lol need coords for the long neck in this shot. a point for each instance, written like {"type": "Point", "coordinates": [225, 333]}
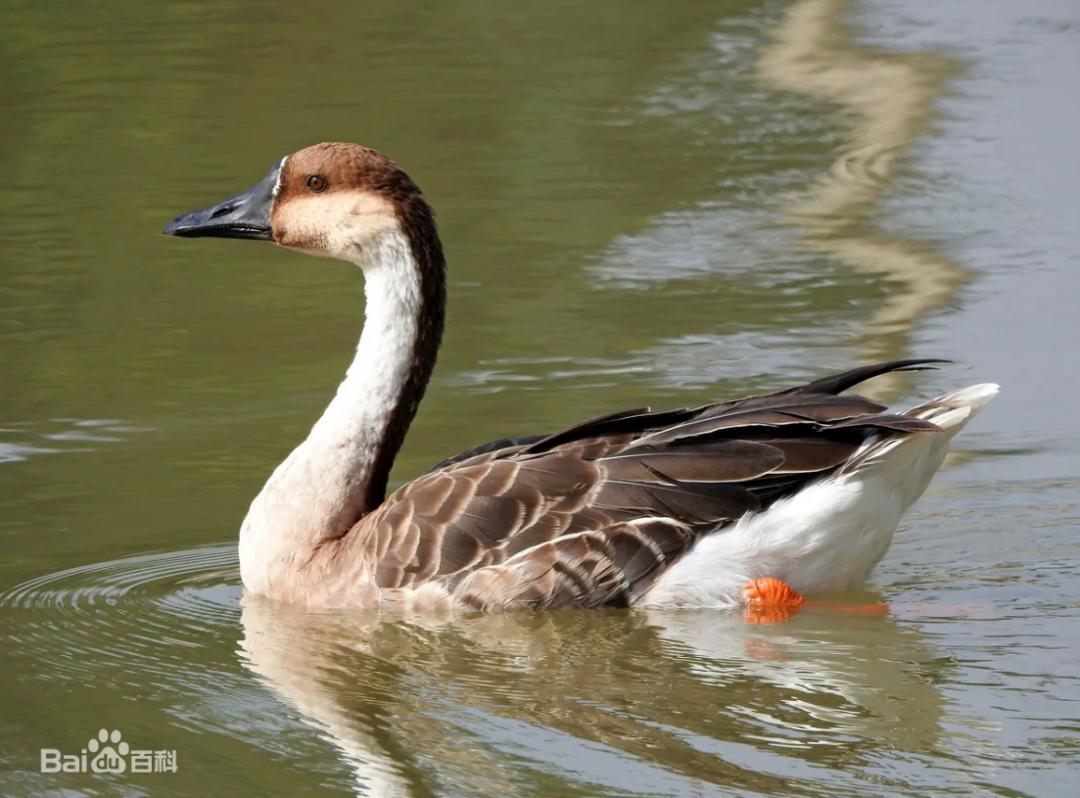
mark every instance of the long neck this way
{"type": "Point", "coordinates": [405, 297]}
{"type": "Point", "coordinates": [340, 473]}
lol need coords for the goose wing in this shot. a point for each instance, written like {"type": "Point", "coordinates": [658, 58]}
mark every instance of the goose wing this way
{"type": "Point", "coordinates": [593, 514]}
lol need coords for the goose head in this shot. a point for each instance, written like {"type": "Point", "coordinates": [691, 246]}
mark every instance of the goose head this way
{"type": "Point", "coordinates": [349, 202]}
{"type": "Point", "coordinates": [332, 199]}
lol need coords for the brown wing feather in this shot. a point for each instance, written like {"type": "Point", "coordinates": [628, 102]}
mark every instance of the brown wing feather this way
{"type": "Point", "coordinates": [592, 515]}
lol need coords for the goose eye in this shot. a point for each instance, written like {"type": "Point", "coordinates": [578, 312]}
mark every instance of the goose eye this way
{"type": "Point", "coordinates": [316, 183]}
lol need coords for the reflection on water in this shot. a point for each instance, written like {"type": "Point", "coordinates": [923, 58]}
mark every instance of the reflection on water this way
{"type": "Point", "coordinates": [667, 703]}
{"type": "Point", "coordinates": [671, 703]}
{"type": "Point", "coordinates": [657, 703]}
{"type": "Point", "coordinates": [565, 703]}
{"type": "Point", "coordinates": [888, 100]}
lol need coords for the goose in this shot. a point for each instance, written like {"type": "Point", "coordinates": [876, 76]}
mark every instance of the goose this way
{"type": "Point", "coordinates": [800, 490]}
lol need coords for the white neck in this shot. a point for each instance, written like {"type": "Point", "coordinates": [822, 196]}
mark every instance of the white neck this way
{"type": "Point", "coordinates": [317, 491]}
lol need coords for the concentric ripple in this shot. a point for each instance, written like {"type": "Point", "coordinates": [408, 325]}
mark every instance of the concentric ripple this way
{"type": "Point", "coordinates": [148, 611]}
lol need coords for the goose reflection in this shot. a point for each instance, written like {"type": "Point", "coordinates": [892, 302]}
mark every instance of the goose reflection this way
{"type": "Point", "coordinates": [673, 703]}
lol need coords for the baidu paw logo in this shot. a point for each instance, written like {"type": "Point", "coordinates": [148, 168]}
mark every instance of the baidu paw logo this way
{"type": "Point", "coordinates": [106, 753]}
{"type": "Point", "coordinates": [110, 759]}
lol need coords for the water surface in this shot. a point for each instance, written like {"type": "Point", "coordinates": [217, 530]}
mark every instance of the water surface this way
{"type": "Point", "coordinates": [654, 203]}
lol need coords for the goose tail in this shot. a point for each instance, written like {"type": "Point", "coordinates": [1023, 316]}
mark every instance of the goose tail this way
{"type": "Point", "coordinates": [954, 410]}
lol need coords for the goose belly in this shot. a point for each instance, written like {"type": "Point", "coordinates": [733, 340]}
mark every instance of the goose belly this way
{"type": "Point", "coordinates": [825, 539]}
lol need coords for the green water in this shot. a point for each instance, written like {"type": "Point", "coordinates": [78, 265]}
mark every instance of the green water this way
{"type": "Point", "coordinates": [642, 203]}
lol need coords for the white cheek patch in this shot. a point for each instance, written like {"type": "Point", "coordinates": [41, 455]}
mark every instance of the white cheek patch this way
{"type": "Point", "coordinates": [342, 225]}
{"type": "Point", "coordinates": [281, 171]}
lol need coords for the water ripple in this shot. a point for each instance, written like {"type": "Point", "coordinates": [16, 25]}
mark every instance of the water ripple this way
{"type": "Point", "coordinates": [133, 609]}
{"type": "Point", "coordinates": [61, 435]}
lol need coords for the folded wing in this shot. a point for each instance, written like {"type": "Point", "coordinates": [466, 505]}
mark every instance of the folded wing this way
{"type": "Point", "coordinates": [592, 515]}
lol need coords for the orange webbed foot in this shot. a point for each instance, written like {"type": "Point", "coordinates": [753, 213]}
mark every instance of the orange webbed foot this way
{"type": "Point", "coordinates": [771, 601]}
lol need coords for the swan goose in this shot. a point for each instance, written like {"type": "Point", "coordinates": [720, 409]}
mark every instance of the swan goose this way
{"type": "Point", "coordinates": [685, 507]}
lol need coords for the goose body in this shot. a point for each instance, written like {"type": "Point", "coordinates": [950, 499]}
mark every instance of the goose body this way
{"type": "Point", "coordinates": [637, 508]}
